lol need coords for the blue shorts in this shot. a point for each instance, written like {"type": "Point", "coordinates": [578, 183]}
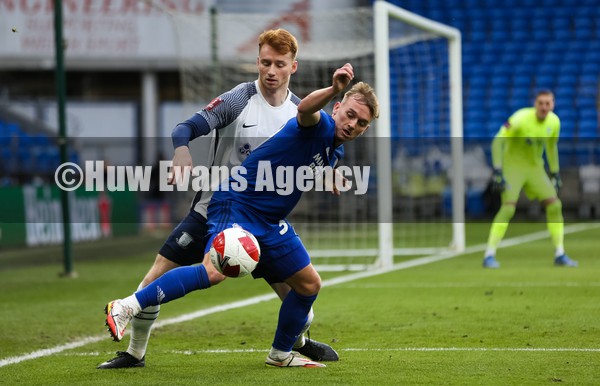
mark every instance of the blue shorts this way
{"type": "Point", "coordinates": [282, 253]}
{"type": "Point", "coordinates": [186, 244]}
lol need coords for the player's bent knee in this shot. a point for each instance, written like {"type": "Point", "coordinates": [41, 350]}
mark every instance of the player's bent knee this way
{"type": "Point", "coordinates": [214, 276]}
{"type": "Point", "coordinates": [309, 287]}
{"type": "Point", "coordinates": [552, 200]}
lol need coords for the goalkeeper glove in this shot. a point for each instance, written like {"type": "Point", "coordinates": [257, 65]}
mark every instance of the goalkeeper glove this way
{"type": "Point", "coordinates": [556, 181]}
{"type": "Point", "coordinates": [498, 182]}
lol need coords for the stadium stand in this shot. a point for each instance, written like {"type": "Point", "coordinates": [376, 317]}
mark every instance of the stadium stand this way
{"type": "Point", "coordinates": [28, 150]}
{"type": "Point", "coordinates": [512, 49]}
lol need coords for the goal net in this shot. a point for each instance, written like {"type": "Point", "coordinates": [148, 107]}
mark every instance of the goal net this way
{"type": "Point", "coordinates": [413, 168]}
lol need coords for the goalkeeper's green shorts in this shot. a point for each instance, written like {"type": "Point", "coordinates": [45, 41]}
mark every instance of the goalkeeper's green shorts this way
{"type": "Point", "coordinates": [532, 179]}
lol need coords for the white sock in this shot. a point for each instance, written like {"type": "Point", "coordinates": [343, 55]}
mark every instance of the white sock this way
{"type": "Point", "coordinates": [490, 252]}
{"type": "Point", "coordinates": [132, 302]}
{"type": "Point", "coordinates": [301, 340]}
{"type": "Point", "coordinates": [278, 355]}
{"type": "Point", "coordinates": [141, 325]}
{"type": "Point", "coordinates": [559, 251]}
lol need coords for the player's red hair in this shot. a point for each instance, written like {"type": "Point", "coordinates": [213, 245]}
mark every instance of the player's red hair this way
{"type": "Point", "coordinates": [281, 40]}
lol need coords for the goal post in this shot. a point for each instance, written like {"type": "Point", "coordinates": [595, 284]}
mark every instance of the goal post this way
{"type": "Point", "coordinates": [383, 11]}
{"type": "Point", "coordinates": [414, 202]}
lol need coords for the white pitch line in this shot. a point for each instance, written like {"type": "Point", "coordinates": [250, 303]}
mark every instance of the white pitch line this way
{"type": "Point", "coordinates": [330, 282]}
{"type": "Point", "coordinates": [510, 349]}
{"type": "Point", "coordinates": [380, 349]}
{"type": "Point", "coordinates": [473, 285]}
{"type": "Point", "coordinates": [516, 349]}
{"type": "Point", "coordinates": [427, 349]}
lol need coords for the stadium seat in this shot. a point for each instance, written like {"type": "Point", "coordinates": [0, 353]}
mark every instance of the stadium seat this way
{"type": "Point", "coordinates": [593, 56]}
{"type": "Point", "coordinates": [588, 129]}
{"type": "Point", "coordinates": [562, 34]}
{"type": "Point", "coordinates": [568, 78]}
{"type": "Point", "coordinates": [545, 81]}
{"type": "Point", "coordinates": [518, 24]}
{"type": "Point", "coordinates": [560, 22]}
{"type": "Point", "coordinates": [565, 96]}
{"type": "Point", "coordinates": [587, 104]}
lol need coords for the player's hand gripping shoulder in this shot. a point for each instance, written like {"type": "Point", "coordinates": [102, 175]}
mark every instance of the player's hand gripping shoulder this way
{"type": "Point", "coordinates": [182, 163]}
{"type": "Point", "coordinates": [498, 182]}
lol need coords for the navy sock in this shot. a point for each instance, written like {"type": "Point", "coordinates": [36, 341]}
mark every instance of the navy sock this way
{"type": "Point", "coordinates": [173, 285]}
{"type": "Point", "coordinates": [293, 315]}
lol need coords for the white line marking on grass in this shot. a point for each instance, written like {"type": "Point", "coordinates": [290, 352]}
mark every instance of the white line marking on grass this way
{"type": "Point", "coordinates": [472, 285]}
{"type": "Point", "coordinates": [534, 349]}
{"type": "Point", "coordinates": [166, 322]}
{"type": "Point", "coordinates": [378, 349]}
{"type": "Point", "coordinates": [338, 280]}
{"type": "Point", "coordinates": [51, 351]}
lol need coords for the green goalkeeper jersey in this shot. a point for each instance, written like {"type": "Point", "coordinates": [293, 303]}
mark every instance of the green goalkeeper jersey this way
{"type": "Point", "coordinates": [522, 140]}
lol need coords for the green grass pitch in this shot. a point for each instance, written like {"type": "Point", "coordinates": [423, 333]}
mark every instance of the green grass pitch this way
{"type": "Point", "coordinates": [449, 322]}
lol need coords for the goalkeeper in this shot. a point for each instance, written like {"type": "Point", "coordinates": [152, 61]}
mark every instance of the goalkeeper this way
{"type": "Point", "coordinates": [517, 157]}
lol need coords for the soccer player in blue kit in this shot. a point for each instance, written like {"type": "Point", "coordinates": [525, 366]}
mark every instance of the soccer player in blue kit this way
{"type": "Point", "coordinates": [243, 118]}
{"type": "Point", "coordinates": [310, 139]}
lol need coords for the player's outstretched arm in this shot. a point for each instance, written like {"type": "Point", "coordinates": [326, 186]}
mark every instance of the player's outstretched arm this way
{"type": "Point", "coordinates": [309, 107]}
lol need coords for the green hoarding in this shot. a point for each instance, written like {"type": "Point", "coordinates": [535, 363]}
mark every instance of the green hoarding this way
{"type": "Point", "coordinates": [31, 215]}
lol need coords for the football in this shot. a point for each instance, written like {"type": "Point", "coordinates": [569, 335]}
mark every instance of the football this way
{"type": "Point", "coordinates": [235, 252]}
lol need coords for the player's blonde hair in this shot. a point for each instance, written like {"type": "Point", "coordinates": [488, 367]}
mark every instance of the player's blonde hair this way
{"type": "Point", "coordinates": [281, 40]}
{"type": "Point", "coordinates": [365, 95]}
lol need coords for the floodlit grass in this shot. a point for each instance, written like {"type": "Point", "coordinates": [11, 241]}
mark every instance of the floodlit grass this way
{"type": "Point", "coordinates": [449, 322]}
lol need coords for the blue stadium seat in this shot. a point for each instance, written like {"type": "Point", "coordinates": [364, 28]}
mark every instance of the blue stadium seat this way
{"type": "Point", "coordinates": [553, 56]}
{"type": "Point", "coordinates": [499, 31]}
{"type": "Point", "coordinates": [562, 34]}
{"type": "Point", "coordinates": [565, 96]}
{"type": "Point", "coordinates": [586, 103]}
{"type": "Point", "coordinates": [560, 22]}
{"type": "Point", "coordinates": [521, 81]}
{"type": "Point", "coordinates": [588, 129]}
{"type": "Point", "coordinates": [518, 24]}
{"type": "Point", "coordinates": [593, 56]}
{"type": "Point", "coordinates": [521, 92]}
{"type": "Point", "coordinates": [520, 35]}
{"type": "Point", "coordinates": [567, 79]}
{"type": "Point", "coordinates": [545, 81]}
{"type": "Point", "coordinates": [500, 81]}
{"type": "Point", "coordinates": [579, 46]}
{"type": "Point", "coordinates": [584, 32]}
{"type": "Point", "coordinates": [590, 72]}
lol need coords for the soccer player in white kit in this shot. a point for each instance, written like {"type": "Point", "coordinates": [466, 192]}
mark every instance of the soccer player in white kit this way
{"type": "Point", "coordinates": [306, 142]}
{"type": "Point", "coordinates": [241, 118]}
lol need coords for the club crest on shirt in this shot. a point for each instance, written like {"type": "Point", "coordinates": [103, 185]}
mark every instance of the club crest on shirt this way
{"type": "Point", "coordinates": [245, 149]}
{"type": "Point", "coordinates": [214, 103]}
{"type": "Point", "coordinates": [507, 124]}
